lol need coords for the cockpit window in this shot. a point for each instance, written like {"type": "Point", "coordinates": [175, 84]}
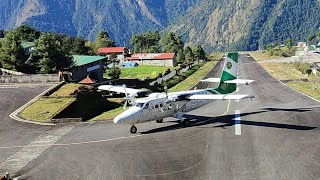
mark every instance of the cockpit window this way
{"type": "Point", "coordinates": [146, 106]}
{"type": "Point", "coordinates": [140, 105]}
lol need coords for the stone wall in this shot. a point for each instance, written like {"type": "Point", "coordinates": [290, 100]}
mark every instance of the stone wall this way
{"type": "Point", "coordinates": [31, 78]}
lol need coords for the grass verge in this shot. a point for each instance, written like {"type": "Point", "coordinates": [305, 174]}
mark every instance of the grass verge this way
{"type": "Point", "coordinates": [194, 78]}
{"type": "Point", "coordinates": [262, 55]}
{"type": "Point", "coordinates": [295, 79]}
{"type": "Point", "coordinates": [44, 109]}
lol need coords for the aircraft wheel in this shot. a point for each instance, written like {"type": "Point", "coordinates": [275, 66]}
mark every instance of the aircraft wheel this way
{"type": "Point", "coordinates": [159, 120]}
{"type": "Point", "coordinates": [186, 122]}
{"type": "Point", "coordinates": [133, 129]}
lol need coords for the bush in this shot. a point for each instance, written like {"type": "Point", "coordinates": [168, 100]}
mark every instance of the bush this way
{"type": "Point", "coordinates": [304, 68]}
{"type": "Point", "coordinates": [114, 73]}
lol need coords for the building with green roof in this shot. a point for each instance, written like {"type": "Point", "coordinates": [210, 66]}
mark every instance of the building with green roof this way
{"type": "Point", "coordinates": [28, 47]}
{"type": "Point", "coordinates": [87, 66]}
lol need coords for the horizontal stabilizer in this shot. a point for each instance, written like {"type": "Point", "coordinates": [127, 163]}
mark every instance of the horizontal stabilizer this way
{"type": "Point", "coordinates": [220, 96]}
{"type": "Point", "coordinates": [211, 80]}
{"type": "Point", "coordinates": [240, 81]}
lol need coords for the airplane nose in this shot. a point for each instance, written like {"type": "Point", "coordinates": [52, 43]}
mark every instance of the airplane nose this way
{"type": "Point", "coordinates": [116, 120]}
{"type": "Point", "coordinates": [120, 119]}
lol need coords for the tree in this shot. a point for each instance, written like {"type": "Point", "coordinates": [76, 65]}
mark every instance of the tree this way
{"type": "Point", "coordinates": [115, 72]}
{"type": "Point", "coordinates": [103, 40]}
{"type": "Point", "coordinates": [48, 56]}
{"type": "Point", "coordinates": [180, 56]}
{"type": "Point", "coordinates": [26, 33]}
{"type": "Point", "coordinates": [79, 47]}
{"type": "Point", "coordinates": [188, 54]}
{"type": "Point", "coordinates": [318, 36]}
{"type": "Point", "coordinates": [199, 53]}
{"type": "Point", "coordinates": [2, 33]}
{"type": "Point", "coordinates": [311, 38]}
{"type": "Point", "coordinates": [171, 43]}
{"type": "Point", "coordinates": [146, 42]}
{"type": "Point", "coordinates": [11, 53]}
{"type": "Point", "coordinates": [289, 43]}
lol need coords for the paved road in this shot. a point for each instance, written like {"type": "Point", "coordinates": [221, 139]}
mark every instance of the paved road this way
{"type": "Point", "coordinates": [278, 137]}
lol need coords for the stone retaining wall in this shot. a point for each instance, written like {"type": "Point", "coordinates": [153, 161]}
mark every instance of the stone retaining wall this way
{"type": "Point", "coordinates": [32, 78]}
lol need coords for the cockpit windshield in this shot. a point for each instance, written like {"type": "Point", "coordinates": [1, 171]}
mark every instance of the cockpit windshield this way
{"type": "Point", "coordinates": [140, 105]}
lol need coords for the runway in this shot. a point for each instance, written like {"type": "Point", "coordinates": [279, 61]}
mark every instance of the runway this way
{"type": "Point", "coordinates": [274, 136]}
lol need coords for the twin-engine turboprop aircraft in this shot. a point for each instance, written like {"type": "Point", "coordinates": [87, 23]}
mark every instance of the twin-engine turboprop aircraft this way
{"type": "Point", "coordinates": [157, 106]}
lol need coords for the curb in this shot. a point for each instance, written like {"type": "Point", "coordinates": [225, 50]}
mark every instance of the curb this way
{"type": "Point", "coordinates": [14, 115]}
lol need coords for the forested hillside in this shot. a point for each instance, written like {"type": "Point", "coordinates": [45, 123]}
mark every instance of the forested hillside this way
{"type": "Point", "coordinates": [217, 25]}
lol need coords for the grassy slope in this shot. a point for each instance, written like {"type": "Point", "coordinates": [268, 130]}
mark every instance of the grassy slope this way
{"type": "Point", "coordinates": [194, 78]}
{"type": "Point", "coordinates": [262, 55]}
{"type": "Point", "coordinates": [47, 107]}
{"type": "Point", "coordinates": [286, 71]}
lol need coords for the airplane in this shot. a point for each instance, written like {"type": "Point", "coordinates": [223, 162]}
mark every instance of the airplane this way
{"type": "Point", "coordinates": [157, 106]}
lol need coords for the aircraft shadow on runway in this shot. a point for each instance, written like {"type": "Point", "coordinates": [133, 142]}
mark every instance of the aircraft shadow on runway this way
{"type": "Point", "coordinates": [228, 120]}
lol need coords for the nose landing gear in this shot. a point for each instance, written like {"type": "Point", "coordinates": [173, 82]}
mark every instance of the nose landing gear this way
{"type": "Point", "coordinates": [133, 129]}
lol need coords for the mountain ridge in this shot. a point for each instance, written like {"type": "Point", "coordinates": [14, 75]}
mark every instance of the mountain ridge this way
{"type": "Point", "coordinates": [216, 25]}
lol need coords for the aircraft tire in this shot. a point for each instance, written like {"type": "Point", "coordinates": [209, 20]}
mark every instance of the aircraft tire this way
{"type": "Point", "coordinates": [186, 123]}
{"type": "Point", "coordinates": [159, 120]}
{"type": "Point", "coordinates": [133, 129]}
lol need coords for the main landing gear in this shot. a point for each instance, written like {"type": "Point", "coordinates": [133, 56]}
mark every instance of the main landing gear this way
{"type": "Point", "coordinates": [133, 129]}
{"type": "Point", "coordinates": [186, 122]}
{"type": "Point", "coordinates": [159, 120]}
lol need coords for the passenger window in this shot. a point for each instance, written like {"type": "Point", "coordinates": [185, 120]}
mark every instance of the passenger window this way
{"type": "Point", "coordinates": [161, 105]}
{"type": "Point", "coordinates": [156, 106]}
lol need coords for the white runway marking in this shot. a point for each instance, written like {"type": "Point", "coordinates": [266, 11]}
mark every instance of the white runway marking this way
{"type": "Point", "coordinates": [237, 130]}
{"type": "Point", "coordinates": [30, 152]}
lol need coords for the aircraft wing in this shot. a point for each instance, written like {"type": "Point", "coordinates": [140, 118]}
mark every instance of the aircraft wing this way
{"type": "Point", "coordinates": [219, 96]}
{"type": "Point", "coordinates": [121, 89]}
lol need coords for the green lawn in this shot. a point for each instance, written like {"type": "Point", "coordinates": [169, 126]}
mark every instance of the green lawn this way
{"type": "Point", "coordinates": [44, 109]}
{"type": "Point", "coordinates": [194, 78]}
{"type": "Point", "coordinates": [142, 72]}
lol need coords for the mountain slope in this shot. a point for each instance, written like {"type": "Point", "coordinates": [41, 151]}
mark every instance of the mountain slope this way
{"type": "Point", "coordinates": [217, 25]}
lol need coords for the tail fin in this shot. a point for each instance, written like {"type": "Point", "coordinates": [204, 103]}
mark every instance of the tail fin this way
{"type": "Point", "coordinates": [229, 73]}
{"type": "Point", "coordinates": [229, 78]}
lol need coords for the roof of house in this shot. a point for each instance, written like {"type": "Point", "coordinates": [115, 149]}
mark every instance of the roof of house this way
{"type": "Point", "coordinates": [111, 49]}
{"type": "Point", "coordinates": [88, 80]}
{"type": "Point", "coordinates": [152, 56]}
{"type": "Point", "coordinates": [80, 60]}
{"type": "Point", "coordinates": [26, 45]}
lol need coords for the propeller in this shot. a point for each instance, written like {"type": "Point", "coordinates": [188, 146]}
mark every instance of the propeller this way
{"type": "Point", "coordinates": [126, 98]}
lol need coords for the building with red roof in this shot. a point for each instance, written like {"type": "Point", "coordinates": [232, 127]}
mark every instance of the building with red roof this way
{"type": "Point", "coordinates": [157, 59]}
{"type": "Point", "coordinates": [113, 50]}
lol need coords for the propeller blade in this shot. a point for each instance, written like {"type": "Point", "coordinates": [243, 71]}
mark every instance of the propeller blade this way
{"type": "Point", "coordinates": [125, 105]}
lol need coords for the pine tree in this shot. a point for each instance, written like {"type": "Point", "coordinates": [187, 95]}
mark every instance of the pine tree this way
{"type": "Point", "coordinates": [103, 40]}
{"type": "Point", "coordinates": [11, 52]}
{"type": "Point", "coordinates": [49, 56]}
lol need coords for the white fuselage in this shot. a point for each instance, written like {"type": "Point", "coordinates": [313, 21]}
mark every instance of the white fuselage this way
{"type": "Point", "coordinates": [158, 106]}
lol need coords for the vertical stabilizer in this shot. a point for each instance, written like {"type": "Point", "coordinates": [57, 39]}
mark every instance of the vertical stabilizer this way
{"type": "Point", "coordinates": [229, 72]}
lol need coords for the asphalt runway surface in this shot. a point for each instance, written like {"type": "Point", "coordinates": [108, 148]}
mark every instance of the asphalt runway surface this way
{"type": "Point", "coordinates": [274, 136]}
